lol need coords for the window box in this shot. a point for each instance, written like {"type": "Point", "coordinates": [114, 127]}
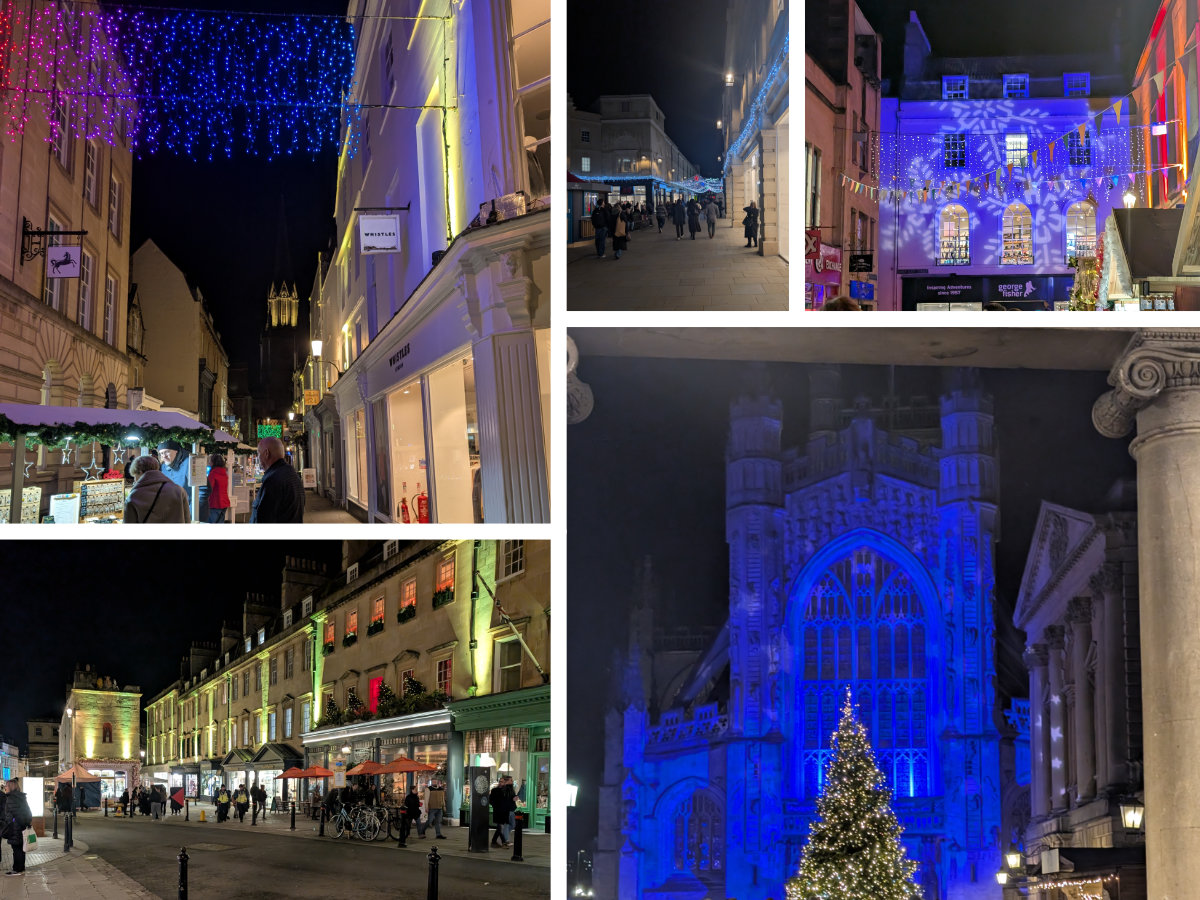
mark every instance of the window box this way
{"type": "Point", "coordinates": [375, 627]}
{"type": "Point", "coordinates": [442, 597]}
{"type": "Point", "coordinates": [327, 648]}
{"type": "Point", "coordinates": [350, 638]}
{"type": "Point", "coordinates": [406, 613]}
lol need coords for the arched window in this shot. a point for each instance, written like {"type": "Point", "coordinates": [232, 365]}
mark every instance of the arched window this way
{"type": "Point", "coordinates": [1081, 229]}
{"type": "Point", "coordinates": [864, 628]}
{"type": "Point", "coordinates": [1016, 236]}
{"type": "Point", "coordinates": [699, 834]}
{"type": "Point", "coordinates": [954, 238]}
{"type": "Point", "coordinates": [106, 735]}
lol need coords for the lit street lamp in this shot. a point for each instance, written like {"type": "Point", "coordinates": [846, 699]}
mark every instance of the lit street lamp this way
{"type": "Point", "coordinates": [1130, 199]}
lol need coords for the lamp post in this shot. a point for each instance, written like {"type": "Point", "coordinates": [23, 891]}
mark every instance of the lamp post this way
{"type": "Point", "coordinates": [1130, 199]}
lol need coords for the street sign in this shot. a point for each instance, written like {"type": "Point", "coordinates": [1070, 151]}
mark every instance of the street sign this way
{"type": "Point", "coordinates": [812, 244]}
{"type": "Point", "coordinates": [861, 262]}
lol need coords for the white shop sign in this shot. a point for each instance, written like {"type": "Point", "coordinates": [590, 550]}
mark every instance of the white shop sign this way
{"type": "Point", "coordinates": [64, 508]}
{"type": "Point", "coordinates": [379, 234]}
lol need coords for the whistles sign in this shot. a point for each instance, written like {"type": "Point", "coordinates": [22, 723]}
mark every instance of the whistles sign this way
{"type": "Point", "coordinates": [379, 234]}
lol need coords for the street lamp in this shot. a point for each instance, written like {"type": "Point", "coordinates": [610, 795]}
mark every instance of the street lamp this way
{"type": "Point", "coordinates": [1012, 858]}
{"type": "Point", "coordinates": [728, 79]}
{"type": "Point", "coordinates": [572, 793]}
{"type": "Point", "coordinates": [346, 749]}
{"type": "Point", "coordinates": [1132, 812]}
{"type": "Point", "coordinates": [1130, 199]}
{"type": "Point", "coordinates": [718, 124]}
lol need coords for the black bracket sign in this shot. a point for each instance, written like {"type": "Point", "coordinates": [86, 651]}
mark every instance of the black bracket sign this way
{"type": "Point", "coordinates": [34, 241]}
{"type": "Point", "coordinates": [861, 262]}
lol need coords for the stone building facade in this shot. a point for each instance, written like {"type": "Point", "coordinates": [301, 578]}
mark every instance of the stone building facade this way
{"type": "Point", "coordinates": [100, 730]}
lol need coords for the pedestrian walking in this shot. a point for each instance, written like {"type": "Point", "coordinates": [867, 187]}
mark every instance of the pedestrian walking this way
{"type": "Point", "coordinates": [435, 804]}
{"type": "Point", "coordinates": [679, 217]}
{"type": "Point", "coordinates": [123, 802]}
{"type": "Point", "coordinates": [281, 494]}
{"type": "Point", "coordinates": [242, 799]}
{"type": "Point", "coordinates": [154, 498]}
{"type": "Point", "coordinates": [620, 235]}
{"type": "Point", "coordinates": [218, 489]}
{"type": "Point", "coordinates": [660, 214]}
{"type": "Point", "coordinates": [17, 817]}
{"type": "Point", "coordinates": [710, 216]}
{"type": "Point", "coordinates": [412, 812]}
{"type": "Point", "coordinates": [498, 798]}
{"type": "Point", "coordinates": [750, 222]}
{"type": "Point", "coordinates": [223, 801]}
{"type": "Point", "coordinates": [600, 225]}
{"type": "Point", "coordinates": [693, 216]}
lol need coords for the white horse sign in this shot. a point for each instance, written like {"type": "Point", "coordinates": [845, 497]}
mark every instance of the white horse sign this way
{"type": "Point", "coordinates": [62, 262]}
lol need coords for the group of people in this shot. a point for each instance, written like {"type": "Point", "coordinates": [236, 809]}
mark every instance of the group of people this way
{"type": "Point", "coordinates": [161, 487]}
{"type": "Point", "coordinates": [616, 222]}
{"type": "Point", "coordinates": [503, 800]}
{"type": "Point", "coordinates": [240, 801]}
{"type": "Point", "coordinates": [152, 802]}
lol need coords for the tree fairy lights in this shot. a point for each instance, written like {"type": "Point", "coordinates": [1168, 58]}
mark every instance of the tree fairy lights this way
{"type": "Point", "coordinates": [854, 850]}
{"type": "Point", "coordinates": [199, 84]}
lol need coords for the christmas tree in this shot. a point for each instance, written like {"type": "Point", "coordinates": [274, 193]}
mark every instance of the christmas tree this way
{"type": "Point", "coordinates": [854, 850]}
{"type": "Point", "coordinates": [389, 703]}
{"type": "Point", "coordinates": [355, 708]}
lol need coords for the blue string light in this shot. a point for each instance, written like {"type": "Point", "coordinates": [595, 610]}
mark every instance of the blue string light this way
{"type": "Point", "coordinates": [694, 186]}
{"type": "Point", "coordinates": [754, 117]}
{"type": "Point", "coordinates": [198, 84]}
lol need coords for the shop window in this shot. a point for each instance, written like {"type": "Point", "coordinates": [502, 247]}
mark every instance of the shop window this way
{"type": "Point", "coordinates": [106, 733]}
{"type": "Point", "coordinates": [274, 675]}
{"type": "Point", "coordinates": [445, 676]}
{"type": "Point", "coordinates": [512, 558]}
{"type": "Point", "coordinates": [1081, 229]}
{"type": "Point", "coordinates": [954, 87]}
{"type": "Point", "coordinates": [1016, 86]}
{"type": "Point", "coordinates": [954, 150]}
{"type": "Point", "coordinates": [289, 662]}
{"type": "Point", "coordinates": [409, 465]}
{"type": "Point", "coordinates": [373, 687]}
{"type": "Point", "coordinates": [954, 237]}
{"type": "Point", "coordinates": [508, 656]}
{"type": "Point", "coordinates": [453, 427]}
{"type": "Point", "coordinates": [287, 722]}
{"type": "Point", "coordinates": [405, 677]}
{"type": "Point", "coordinates": [1016, 236]}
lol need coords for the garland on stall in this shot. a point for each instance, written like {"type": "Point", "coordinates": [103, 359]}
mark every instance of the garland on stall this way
{"type": "Point", "coordinates": [57, 437]}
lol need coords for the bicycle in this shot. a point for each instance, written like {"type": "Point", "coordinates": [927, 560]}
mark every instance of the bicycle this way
{"type": "Point", "coordinates": [367, 823]}
{"type": "Point", "coordinates": [340, 822]}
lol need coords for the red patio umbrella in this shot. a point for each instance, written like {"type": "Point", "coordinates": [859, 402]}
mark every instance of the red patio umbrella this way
{"type": "Point", "coordinates": [315, 772]}
{"type": "Point", "coordinates": [293, 772]}
{"type": "Point", "coordinates": [366, 767]}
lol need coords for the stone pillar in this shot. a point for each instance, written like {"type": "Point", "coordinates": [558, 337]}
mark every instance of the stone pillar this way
{"type": "Point", "coordinates": [1156, 383]}
{"type": "Point", "coordinates": [1113, 724]}
{"type": "Point", "coordinates": [770, 193]}
{"type": "Point", "coordinates": [1079, 616]}
{"type": "Point", "coordinates": [1058, 719]}
{"type": "Point", "coordinates": [1036, 658]}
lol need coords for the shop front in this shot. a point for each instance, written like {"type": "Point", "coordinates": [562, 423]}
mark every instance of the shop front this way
{"type": "Point", "coordinates": [210, 778]}
{"type": "Point", "coordinates": [116, 776]}
{"type": "Point", "coordinates": [509, 734]}
{"type": "Point", "coordinates": [447, 416]}
{"type": "Point", "coordinates": [970, 292]}
{"type": "Point", "coordinates": [324, 430]}
{"type": "Point", "coordinates": [186, 776]}
{"type": "Point", "coordinates": [822, 275]}
{"type": "Point", "coordinates": [427, 737]}
{"type": "Point", "coordinates": [236, 769]}
{"type": "Point", "coordinates": [268, 764]}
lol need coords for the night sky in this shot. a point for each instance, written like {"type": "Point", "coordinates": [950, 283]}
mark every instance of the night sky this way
{"type": "Point", "coordinates": [219, 221]}
{"type": "Point", "coordinates": [665, 416]}
{"type": "Point", "coordinates": [1021, 27]}
{"type": "Point", "coordinates": [130, 608]}
{"type": "Point", "coordinates": [671, 49]}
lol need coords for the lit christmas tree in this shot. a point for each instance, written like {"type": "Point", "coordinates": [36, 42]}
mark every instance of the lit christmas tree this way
{"type": "Point", "coordinates": [854, 850]}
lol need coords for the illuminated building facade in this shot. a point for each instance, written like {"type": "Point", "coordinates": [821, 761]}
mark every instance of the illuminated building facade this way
{"type": "Point", "coordinates": [754, 122]}
{"type": "Point", "coordinates": [994, 173]}
{"type": "Point", "coordinates": [101, 730]}
{"type": "Point", "coordinates": [861, 561]}
{"type": "Point", "coordinates": [433, 375]}
{"type": "Point", "coordinates": [283, 689]}
{"type": "Point", "coordinates": [841, 81]}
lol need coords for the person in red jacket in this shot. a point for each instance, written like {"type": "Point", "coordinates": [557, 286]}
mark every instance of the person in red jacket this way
{"type": "Point", "coordinates": [218, 489]}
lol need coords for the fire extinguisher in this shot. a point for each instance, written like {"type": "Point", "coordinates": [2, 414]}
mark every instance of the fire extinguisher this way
{"type": "Point", "coordinates": [404, 516]}
{"type": "Point", "coordinates": [422, 504]}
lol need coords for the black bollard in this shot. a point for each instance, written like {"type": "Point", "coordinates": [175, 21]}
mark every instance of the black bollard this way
{"type": "Point", "coordinates": [106, 808]}
{"type": "Point", "coordinates": [321, 817]}
{"type": "Point", "coordinates": [183, 861]}
{"type": "Point", "coordinates": [517, 857]}
{"type": "Point", "coordinates": [56, 822]}
{"type": "Point", "coordinates": [401, 841]}
{"type": "Point", "coordinates": [434, 860]}
{"type": "Point", "coordinates": [68, 833]}
{"type": "Point", "coordinates": [293, 815]}
{"type": "Point", "coordinates": [254, 813]}
{"type": "Point", "coordinates": [187, 810]}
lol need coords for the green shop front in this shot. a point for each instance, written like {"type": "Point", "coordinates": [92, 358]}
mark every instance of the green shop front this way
{"type": "Point", "coordinates": [510, 734]}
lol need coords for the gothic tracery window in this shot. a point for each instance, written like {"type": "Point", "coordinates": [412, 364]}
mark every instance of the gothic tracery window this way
{"type": "Point", "coordinates": [699, 834]}
{"type": "Point", "coordinates": [864, 628]}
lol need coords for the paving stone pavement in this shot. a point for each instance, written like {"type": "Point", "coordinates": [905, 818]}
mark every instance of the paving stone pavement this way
{"type": "Point", "coordinates": [78, 875]}
{"type": "Point", "coordinates": [658, 272]}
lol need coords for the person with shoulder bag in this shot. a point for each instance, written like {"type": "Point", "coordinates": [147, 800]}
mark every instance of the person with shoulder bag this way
{"type": "Point", "coordinates": [17, 817]}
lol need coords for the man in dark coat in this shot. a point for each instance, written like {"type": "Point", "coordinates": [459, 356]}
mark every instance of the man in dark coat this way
{"type": "Point", "coordinates": [679, 217]}
{"type": "Point", "coordinates": [281, 495]}
{"type": "Point", "coordinates": [600, 226]}
{"type": "Point", "coordinates": [500, 809]}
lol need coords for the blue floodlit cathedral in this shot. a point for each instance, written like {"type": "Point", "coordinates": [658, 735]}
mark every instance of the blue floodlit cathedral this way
{"type": "Point", "coordinates": [863, 559]}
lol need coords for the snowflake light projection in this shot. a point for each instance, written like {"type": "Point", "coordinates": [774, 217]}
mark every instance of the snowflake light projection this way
{"type": "Point", "coordinates": [193, 83]}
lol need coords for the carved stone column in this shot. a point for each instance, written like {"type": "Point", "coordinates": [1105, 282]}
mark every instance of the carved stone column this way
{"type": "Point", "coordinates": [1156, 383]}
{"type": "Point", "coordinates": [1079, 616]}
{"type": "Point", "coordinates": [1036, 657]}
{"type": "Point", "coordinates": [1112, 723]}
{"type": "Point", "coordinates": [1058, 720]}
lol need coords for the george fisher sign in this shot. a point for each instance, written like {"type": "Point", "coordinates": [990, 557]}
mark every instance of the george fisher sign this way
{"type": "Point", "coordinates": [1015, 291]}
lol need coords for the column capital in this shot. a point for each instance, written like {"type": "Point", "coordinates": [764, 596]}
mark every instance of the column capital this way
{"type": "Point", "coordinates": [1079, 611]}
{"type": "Point", "coordinates": [1152, 362]}
{"type": "Point", "coordinates": [1055, 637]}
{"type": "Point", "coordinates": [1106, 579]}
{"type": "Point", "coordinates": [1036, 656]}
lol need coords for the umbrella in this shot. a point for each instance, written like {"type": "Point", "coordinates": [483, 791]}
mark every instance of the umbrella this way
{"type": "Point", "coordinates": [404, 764]}
{"type": "Point", "coordinates": [79, 773]}
{"type": "Point", "coordinates": [293, 772]}
{"type": "Point", "coordinates": [366, 767]}
{"type": "Point", "coordinates": [316, 772]}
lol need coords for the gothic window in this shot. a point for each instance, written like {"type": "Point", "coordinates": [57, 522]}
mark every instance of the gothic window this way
{"type": "Point", "coordinates": [106, 733]}
{"type": "Point", "coordinates": [699, 834]}
{"type": "Point", "coordinates": [864, 629]}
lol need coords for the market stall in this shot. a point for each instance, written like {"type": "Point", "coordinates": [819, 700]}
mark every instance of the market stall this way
{"type": "Point", "coordinates": [71, 431]}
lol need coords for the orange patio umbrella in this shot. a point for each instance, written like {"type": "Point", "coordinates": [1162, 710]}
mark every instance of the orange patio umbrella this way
{"type": "Point", "coordinates": [366, 767]}
{"type": "Point", "coordinates": [316, 772]}
{"type": "Point", "coordinates": [293, 772]}
{"type": "Point", "coordinates": [403, 764]}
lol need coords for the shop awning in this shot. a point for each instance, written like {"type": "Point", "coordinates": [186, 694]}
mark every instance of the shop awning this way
{"type": "Point", "coordinates": [276, 753]}
{"type": "Point", "coordinates": [236, 758]}
{"type": "Point", "coordinates": [51, 425]}
{"type": "Point", "coordinates": [529, 706]}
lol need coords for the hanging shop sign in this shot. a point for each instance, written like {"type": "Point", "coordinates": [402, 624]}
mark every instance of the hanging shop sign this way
{"type": "Point", "coordinates": [812, 244]}
{"type": "Point", "coordinates": [312, 398]}
{"type": "Point", "coordinates": [826, 268]}
{"type": "Point", "coordinates": [862, 290]}
{"type": "Point", "coordinates": [265, 431]}
{"type": "Point", "coordinates": [379, 234]}
{"type": "Point", "coordinates": [62, 262]}
{"type": "Point", "coordinates": [861, 262]}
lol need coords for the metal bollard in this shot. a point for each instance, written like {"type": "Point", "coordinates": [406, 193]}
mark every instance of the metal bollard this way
{"type": "Point", "coordinates": [293, 815]}
{"type": "Point", "coordinates": [56, 822]}
{"type": "Point", "coordinates": [517, 857]}
{"type": "Point", "coordinates": [183, 861]}
{"type": "Point", "coordinates": [434, 860]}
{"type": "Point", "coordinates": [106, 808]}
{"type": "Point", "coordinates": [402, 831]}
{"type": "Point", "coordinates": [68, 833]}
{"type": "Point", "coordinates": [254, 813]}
{"type": "Point", "coordinates": [187, 809]}
{"type": "Point", "coordinates": [321, 817]}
